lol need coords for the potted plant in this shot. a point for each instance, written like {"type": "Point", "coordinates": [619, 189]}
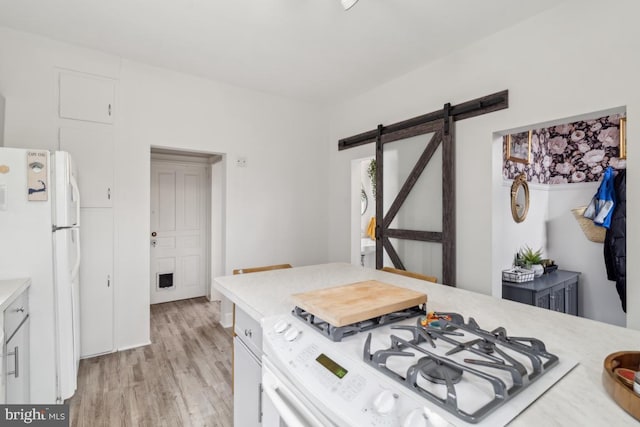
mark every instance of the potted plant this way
{"type": "Point", "coordinates": [531, 259]}
{"type": "Point", "coordinates": [371, 172]}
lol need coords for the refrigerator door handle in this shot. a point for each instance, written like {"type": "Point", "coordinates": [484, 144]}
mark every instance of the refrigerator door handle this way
{"type": "Point", "coordinates": [76, 197]}
{"type": "Point", "coordinates": [76, 267]}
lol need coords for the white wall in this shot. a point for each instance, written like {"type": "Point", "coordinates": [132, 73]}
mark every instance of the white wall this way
{"type": "Point", "coordinates": [550, 225]}
{"type": "Point", "coordinates": [574, 59]}
{"type": "Point", "coordinates": [568, 245]}
{"type": "Point", "coordinates": [271, 214]}
{"type": "Point", "coordinates": [512, 236]}
{"type": "Point", "coordinates": [2, 104]}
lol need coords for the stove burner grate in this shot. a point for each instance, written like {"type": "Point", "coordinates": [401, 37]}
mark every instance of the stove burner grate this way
{"type": "Point", "coordinates": [337, 333]}
{"type": "Point", "coordinates": [492, 350]}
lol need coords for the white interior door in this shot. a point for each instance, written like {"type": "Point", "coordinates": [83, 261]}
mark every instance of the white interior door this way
{"type": "Point", "coordinates": [179, 230]}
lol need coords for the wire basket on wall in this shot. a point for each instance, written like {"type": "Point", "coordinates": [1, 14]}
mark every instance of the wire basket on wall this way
{"type": "Point", "coordinates": [593, 232]}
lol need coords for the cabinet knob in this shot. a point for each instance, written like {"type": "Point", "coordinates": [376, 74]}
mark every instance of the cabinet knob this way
{"type": "Point", "coordinates": [20, 310]}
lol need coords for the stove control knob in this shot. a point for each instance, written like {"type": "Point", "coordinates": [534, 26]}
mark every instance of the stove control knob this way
{"type": "Point", "coordinates": [385, 402]}
{"type": "Point", "coordinates": [291, 334]}
{"type": "Point", "coordinates": [416, 418]}
{"type": "Point", "coordinates": [281, 326]}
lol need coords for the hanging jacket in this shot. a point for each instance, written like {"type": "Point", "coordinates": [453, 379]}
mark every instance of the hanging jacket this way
{"type": "Point", "coordinates": [615, 242]}
{"type": "Point", "coordinates": [601, 207]}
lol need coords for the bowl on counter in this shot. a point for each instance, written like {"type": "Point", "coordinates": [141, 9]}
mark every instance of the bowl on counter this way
{"type": "Point", "coordinates": [617, 385]}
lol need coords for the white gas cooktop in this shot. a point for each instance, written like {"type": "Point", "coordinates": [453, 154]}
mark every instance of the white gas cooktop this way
{"type": "Point", "coordinates": [458, 373]}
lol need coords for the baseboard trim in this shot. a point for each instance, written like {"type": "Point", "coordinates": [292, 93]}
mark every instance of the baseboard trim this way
{"type": "Point", "coordinates": [89, 356]}
{"type": "Point", "coordinates": [129, 347]}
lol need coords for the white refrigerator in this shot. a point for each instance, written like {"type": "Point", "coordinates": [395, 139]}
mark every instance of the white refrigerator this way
{"type": "Point", "coordinates": [40, 239]}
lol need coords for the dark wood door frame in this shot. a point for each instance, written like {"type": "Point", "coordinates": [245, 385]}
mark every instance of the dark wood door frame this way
{"type": "Point", "coordinates": [441, 124]}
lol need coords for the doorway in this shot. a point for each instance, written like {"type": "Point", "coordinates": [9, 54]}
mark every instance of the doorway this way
{"type": "Point", "coordinates": [363, 212]}
{"type": "Point", "coordinates": [181, 224]}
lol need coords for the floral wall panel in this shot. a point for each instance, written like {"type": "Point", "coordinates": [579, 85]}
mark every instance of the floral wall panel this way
{"type": "Point", "coordinates": [569, 153]}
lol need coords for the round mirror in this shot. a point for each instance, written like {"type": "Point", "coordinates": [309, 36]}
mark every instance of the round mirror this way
{"type": "Point", "coordinates": [364, 201]}
{"type": "Point", "coordinates": [519, 198]}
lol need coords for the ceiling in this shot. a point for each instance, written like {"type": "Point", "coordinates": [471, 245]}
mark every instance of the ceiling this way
{"type": "Point", "coordinates": [311, 50]}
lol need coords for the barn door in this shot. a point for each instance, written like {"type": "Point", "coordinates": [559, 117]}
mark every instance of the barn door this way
{"type": "Point", "coordinates": [415, 196]}
{"type": "Point", "coordinates": [415, 199]}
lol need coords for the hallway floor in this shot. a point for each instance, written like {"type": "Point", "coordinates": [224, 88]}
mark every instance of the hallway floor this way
{"type": "Point", "coordinates": [182, 379]}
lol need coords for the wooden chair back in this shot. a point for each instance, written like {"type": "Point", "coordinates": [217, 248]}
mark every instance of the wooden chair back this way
{"type": "Point", "coordinates": [258, 269]}
{"type": "Point", "coordinates": [410, 274]}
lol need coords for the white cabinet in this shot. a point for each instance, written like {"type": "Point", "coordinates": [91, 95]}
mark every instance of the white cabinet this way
{"type": "Point", "coordinates": [91, 148]}
{"type": "Point", "coordinates": [16, 351]}
{"type": "Point", "coordinates": [96, 282]}
{"type": "Point", "coordinates": [86, 97]}
{"type": "Point", "coordinates": [247, 371]}
{"type": "Point", "coordinates": [247, 379]}
{"type": "Point", "coordinates": [86, 130]}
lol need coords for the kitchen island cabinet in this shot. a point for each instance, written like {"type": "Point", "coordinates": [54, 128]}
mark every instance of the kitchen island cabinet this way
{"type": "Point", "coordinates": [577, 399]}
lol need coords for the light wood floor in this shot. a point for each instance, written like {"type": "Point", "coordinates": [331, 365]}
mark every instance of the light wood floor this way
{"type": "Point", "coordinates": [182, 379]}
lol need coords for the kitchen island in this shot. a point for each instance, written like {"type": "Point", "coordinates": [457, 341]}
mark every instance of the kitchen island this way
{"type": "Point", "coordinates": [578, 399]}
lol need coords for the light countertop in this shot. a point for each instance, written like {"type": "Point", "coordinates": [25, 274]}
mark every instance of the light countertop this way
{"type": "Point", "coordinates": [10, 289]}
{"type": "Point", "coordinates": [579, 399]}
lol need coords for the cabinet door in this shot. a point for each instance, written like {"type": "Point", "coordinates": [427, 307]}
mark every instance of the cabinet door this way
{"type": "Point", "coordinates": [17, 366]}
{"type": "Point", "coordinates": [557, 298]}
{"type": "Point", "coordinates": [86, 97]}
{"type": "Point", "coordinates": [543, 299]}
{"type": "Point", "coordinates": [246, 386]}
{"type": "Point", "coordinates": [92, 150]}
{"type": "Point", "coordinates": [571, 298]}
{"type": "Point", "coordinates": [96, 282]}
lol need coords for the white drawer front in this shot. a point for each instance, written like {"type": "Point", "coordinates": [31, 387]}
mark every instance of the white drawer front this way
{"type": "Point", "coordinates": [249, 331]}
{"type": "Point", "coordinates": [15, 313]}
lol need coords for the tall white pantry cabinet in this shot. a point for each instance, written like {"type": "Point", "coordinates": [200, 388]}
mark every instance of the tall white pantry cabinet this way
{"type": "Point", "coordinates": [86, 112]}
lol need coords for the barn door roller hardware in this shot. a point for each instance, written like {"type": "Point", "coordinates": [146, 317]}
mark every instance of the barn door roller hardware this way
{"type": "Point", "coordinates": [476, 107]}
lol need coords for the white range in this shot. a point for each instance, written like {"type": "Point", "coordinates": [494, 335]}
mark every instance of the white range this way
{"type": "Point", "coordinates": [401, 374]}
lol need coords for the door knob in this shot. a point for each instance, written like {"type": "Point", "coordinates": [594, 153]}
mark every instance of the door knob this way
{"type": "Point", "coordinates": [154, 243]}
{"type": "Point", "coordinates": [154, 234]}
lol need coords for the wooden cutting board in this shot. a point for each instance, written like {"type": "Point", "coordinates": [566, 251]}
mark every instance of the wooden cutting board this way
{"type": "Point", "coordinates": [343, 305]}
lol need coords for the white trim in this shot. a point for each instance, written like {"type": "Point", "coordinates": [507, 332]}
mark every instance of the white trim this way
{"type": "Point", "coordinates": [129, 347]}
{"type": "Point", "coordinates": [161, 157]}
{"type": "Point", "coordinates": [572, 119]}
{"type": "Point", "coordinates": [556, 187]}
